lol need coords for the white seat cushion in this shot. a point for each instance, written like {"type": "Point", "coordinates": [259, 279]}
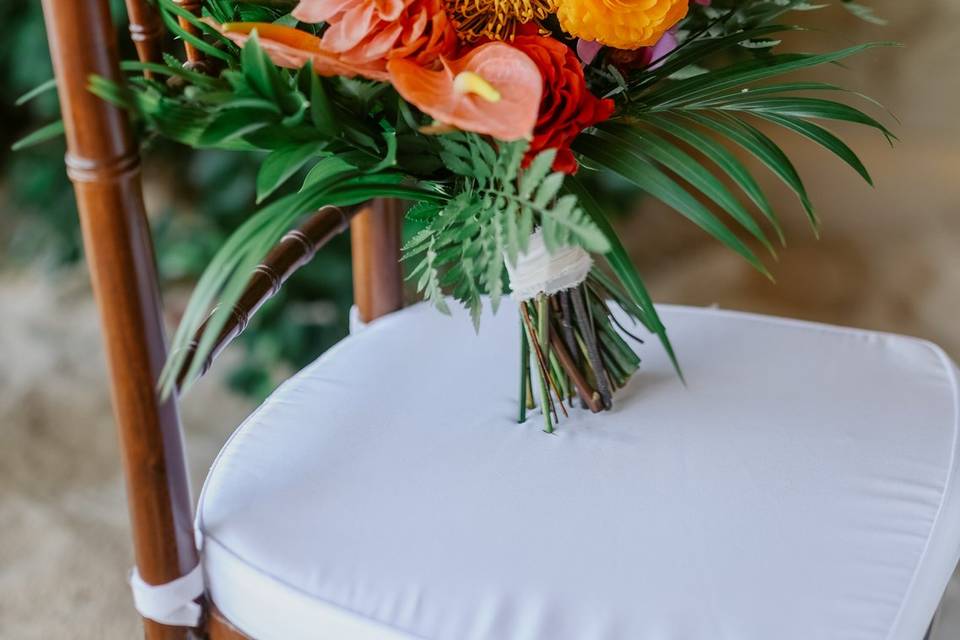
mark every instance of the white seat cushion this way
{"type": "Point", "coordinates": [802, 486]}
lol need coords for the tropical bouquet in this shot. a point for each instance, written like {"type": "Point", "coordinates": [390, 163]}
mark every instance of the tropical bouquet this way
{"type": "Point", "coordinates": [487, 116]}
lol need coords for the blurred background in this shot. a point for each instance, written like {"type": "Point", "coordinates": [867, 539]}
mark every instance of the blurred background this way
{"type": "Point", "coordinates": [888, 259]}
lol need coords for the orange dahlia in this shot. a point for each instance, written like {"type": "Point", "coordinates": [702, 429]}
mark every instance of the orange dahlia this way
{"type": "Point", "coordinates": [370, 32]}
{"type": "Point", "coordinates": [624, 24]}
{"type": "Point", "coordinates": [362, 35]}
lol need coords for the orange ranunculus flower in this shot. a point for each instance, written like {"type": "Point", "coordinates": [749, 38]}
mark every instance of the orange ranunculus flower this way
{"type": "Point", "coordinates": [568, 107]}
{"type": "Point", "coordinates": [361, 37]}
{"type": "Point", "coordinates": [624, 24]}
{"type": "Point", "coordinates": [493, 90]}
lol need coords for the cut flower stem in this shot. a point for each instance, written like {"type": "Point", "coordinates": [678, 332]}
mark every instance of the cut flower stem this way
{"type": "Point", "coordinates": [578, 350]}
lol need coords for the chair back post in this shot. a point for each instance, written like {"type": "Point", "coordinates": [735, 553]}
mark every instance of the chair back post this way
{"type": "Point", "coordinates": [146, 31]}
{"type": "Point", "coordinates": [375, 246]}
{"type": "Point", "coordinates": [194, 56]}
{"type": "Point", "coordinates": [103, 164]}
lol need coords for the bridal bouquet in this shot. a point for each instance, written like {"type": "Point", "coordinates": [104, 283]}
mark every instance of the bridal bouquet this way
{"type": "Point", "coordinates": [487, 115]}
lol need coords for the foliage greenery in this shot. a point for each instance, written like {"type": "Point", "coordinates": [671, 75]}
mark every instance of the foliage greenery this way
{"type": "Point", "coordinates": [215, 190]}
{"type": "Point", "coordinates": [342, 141]}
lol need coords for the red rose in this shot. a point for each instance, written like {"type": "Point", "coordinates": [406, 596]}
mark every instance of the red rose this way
{"type": "Point", "coordinates": [568, 107]}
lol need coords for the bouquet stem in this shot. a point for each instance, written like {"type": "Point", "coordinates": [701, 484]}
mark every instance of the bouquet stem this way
{"type": "Point", "coordinates": [577, 347]}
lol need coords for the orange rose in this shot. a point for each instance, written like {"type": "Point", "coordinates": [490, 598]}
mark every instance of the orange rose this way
{"type": "Point", "coordinates": [568, 107]}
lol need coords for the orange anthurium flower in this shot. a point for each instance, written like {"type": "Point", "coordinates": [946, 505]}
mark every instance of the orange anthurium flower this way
{"type": "Point", "coordinates": [494, 90]}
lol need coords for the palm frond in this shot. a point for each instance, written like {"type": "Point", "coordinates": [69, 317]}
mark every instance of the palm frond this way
{"type": "Point", "coordinates": [684, 128]}
{"type": "Point", "coordinates": [673, 158]}
{"type": "Point", "coordinates": [623, 158]}
{"type": "Point", "coordinates": [722, 158]}
{"type": "Point", "coordinates": [623, 267]}
{"type": "Point", "coordinates": [225, 278]}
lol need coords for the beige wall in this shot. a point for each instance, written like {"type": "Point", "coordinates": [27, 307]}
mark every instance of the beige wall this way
{"type": "Point", "coordinates": [889, 257]}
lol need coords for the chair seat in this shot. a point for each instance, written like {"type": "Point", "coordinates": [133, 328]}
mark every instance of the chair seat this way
{"type": "Point", "coordinates": [801, 486]}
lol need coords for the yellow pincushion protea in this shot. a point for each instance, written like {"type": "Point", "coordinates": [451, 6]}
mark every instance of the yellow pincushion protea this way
{"type": "Point", "coordinates": [624, 24]}
{"type": "Point", "coordinates": [496, 19]}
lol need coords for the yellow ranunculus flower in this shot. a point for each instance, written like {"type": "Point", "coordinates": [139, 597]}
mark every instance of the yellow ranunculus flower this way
{"type": "Point", "coordinates": [624, 24]}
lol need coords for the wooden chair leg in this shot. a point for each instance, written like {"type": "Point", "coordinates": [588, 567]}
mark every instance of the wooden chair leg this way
{"type": "Point", "coordinates": [377, 272]}
{"type": "Point", "coordinates": [102, 161]}
{"type": "Point", "coordinates": [219, 628]}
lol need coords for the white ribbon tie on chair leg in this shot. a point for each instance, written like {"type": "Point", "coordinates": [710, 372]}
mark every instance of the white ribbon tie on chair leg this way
{"type": "Point", "coordinates": [171, 603]}
{"type": "Point", "coordinates": [539, 271]}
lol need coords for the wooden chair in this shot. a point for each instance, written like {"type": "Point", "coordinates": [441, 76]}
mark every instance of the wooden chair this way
{"type": "Point", "coordinates": [102, 161]}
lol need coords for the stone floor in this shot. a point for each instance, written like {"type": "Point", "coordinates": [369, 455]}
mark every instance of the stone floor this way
{"type": "Point", "coordinates": [889, 259]}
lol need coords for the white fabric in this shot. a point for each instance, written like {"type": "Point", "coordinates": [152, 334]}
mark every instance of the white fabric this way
{"type": "Point", "coordinates": [539, 271]}
{"type": "Point", "coordinates": [171, 603]}
{"type": "Point", "coordinates": [802, 486]}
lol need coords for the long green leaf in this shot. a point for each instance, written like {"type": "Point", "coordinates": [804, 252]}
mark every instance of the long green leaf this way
{"type": "Point", "coordinates": [259, 71]}
{"type": "Point", "coordinates": [44, 133]}
{"type": "Point", "coordinates": [38, 90]}
{"type": "Point", "coordinates": [620, 262]}
{"type": "Point", "coordinates": [612, 153]}
{"type": "Point", "coordinates": [191, 76]}
{"type": "Point", "coordinates": [227, 277]}
{"type": "Point", "coordinates": [763, 148]}
{"type": "Point", "coordinates": [321, 108]}
{"type": "Point", "coordinates": [724, 159]}
{"type": "Point", "coordinates": [822, 137]}
{"type": "Point", "coordinates": [686, 167]}
{"type": "Point", "coordinates": [802, 107]}
{"type": "Point", "coordinates": [199, 23]}
{"type": "Point", "coordinates": [282, 164]}
{"type": "Point", "coordinates": [167, 6]}
{"type": "Point", "coordinates": [224, 263]}
{"type": "Point", "coordinates": [744, 73]}
{"type": "Point", "coordinates": [749, 93]}
{"type": "Point", "coordinates": [699, 49]}
{"type": "Point", "coordinates": [231, 124]}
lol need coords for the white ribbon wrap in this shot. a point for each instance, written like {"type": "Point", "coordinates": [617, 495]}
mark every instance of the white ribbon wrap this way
{"type": "Point", "coordinates": [171, 603]}
{"type": "Point", "coordinates": [539, 271]}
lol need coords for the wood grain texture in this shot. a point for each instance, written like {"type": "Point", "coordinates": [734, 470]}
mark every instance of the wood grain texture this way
{"type": "Point", "coordinates": [146, 31]}
{"type": "Point", "coordinates": [103, 164]}
{"type": "Point", "coordinates": [377, 272]}
{"type": "Point", "coordinates": [219, 628]}
{"type": "Point", "coordinates": [294, 250]}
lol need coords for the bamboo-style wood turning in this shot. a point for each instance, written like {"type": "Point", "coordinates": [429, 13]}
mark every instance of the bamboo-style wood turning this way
{"type": "Point", "coordinates": [146, 31]}
{"type": "Point", "coordinates": [102, 162]}
{"type": "Point", "coordinates": [295, 250]}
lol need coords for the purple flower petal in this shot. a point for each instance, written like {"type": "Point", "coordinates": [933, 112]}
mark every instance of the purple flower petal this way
{"type": "Point", "coordinates": [587, 50]}
{"type": "Point", "coordinates": [664, 45]}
